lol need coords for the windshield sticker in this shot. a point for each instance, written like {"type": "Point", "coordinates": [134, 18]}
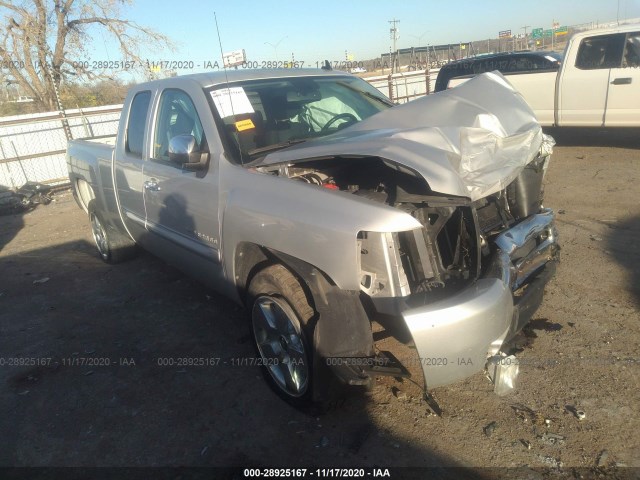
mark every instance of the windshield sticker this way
{"type": "Point", "coordinates": [243, 125]}
{"type": "Point", "coordinates": [231, 101]}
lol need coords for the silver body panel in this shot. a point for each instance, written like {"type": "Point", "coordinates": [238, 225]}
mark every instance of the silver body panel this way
{"type": "Point", "coordinates": [480, 317]}
{"type": "Point", "coordinates": [317, 225]}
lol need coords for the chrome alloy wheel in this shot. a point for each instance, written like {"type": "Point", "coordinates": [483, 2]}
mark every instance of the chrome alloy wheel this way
{"type": "Point", "coordinates": [99, 236]}
{"type": "Point", "coordinates": [279, 339]}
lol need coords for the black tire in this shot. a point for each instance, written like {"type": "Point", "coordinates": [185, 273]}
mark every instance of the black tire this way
{"type": "Point", "coordinates": [274, 289]}
{"type": "Point", "coordinates": [113, 246]}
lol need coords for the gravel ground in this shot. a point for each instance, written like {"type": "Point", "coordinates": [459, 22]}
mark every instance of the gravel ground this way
{"type": "Point", "coordinates": [103, 399]}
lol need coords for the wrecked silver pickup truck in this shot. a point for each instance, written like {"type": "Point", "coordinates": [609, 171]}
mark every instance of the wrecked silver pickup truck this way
{"type": "Point", "coordinates": [310, 198]}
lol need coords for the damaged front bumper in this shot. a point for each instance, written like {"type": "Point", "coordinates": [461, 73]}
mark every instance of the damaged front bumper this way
{"type": "Point", "coordinates": [455, 336]}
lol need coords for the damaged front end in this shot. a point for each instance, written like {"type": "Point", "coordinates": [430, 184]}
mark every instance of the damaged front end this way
{"type": "Point", "coordinates": [470, 279]}
{"type": "Point", "coordinates": [473, 274]}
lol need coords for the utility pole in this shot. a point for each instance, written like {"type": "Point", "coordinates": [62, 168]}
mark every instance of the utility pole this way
{"type": "Point", "coordinates": [554, 25]}
{"type": "Point", "coordinates": [526, 42]}
{"type": "Point", "coordinates": [394, 34]}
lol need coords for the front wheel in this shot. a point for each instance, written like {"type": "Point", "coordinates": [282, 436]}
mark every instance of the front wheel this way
{"type": "Point", "coordinates": [280, 314]}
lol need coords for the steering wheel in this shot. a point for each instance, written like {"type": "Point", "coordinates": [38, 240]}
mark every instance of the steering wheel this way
{"type": "Point", "coordinates": [341, 116]}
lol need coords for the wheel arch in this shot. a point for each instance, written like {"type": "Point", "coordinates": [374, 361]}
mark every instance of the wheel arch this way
{"type": "Point", "coordinates": [250, 258]}
{"type": "Point", "coordinates": [341, 326]}
{"type": "Point", "coordinates": [83, 193]}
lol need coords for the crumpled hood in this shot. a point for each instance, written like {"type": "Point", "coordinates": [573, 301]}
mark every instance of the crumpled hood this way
{"type": "Point", "coordinates": [471, 141]}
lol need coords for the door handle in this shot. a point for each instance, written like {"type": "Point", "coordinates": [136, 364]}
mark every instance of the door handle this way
{"type": "Point", "coordinates": [621, 81]}
{"type": "Point", "coordinates": [152, 185]}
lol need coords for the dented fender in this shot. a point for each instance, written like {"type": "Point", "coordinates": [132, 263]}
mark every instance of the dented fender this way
{"type": "Point", "coordinates": [303, 221]}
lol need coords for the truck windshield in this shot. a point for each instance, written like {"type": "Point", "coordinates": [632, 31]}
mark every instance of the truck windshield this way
{"type": "Point", "coordinates": [261, 116]}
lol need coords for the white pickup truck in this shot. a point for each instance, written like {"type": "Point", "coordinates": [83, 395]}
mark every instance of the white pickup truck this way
{"type": "Point", "coordinates": [597, 83]}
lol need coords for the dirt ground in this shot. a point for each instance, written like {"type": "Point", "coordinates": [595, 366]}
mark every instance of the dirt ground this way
{"type": "Point", "coordinates": [58, 301]}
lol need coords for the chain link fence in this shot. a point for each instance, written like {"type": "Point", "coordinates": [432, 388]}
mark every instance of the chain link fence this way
{"type": "Point", "coordinates": [32, 147]}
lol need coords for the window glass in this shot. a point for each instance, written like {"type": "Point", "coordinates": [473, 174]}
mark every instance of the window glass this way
{"type": "Point", "coordinates": [632, 50]}
{"type": "Point", "coordinates": [533, 62]}
{"type": "Point", "coordinates": [176, 116]}
{"type": "Point", "coordinates": [136, 125]}
{"type": "Point", "coordinates": [603, 51]}
{"type": "Point", "coordinates": [260, 116]}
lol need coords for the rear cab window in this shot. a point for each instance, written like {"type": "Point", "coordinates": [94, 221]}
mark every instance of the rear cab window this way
{"type": "Point", "coordinates": [631, 56]}
{"type": "Point", "coordinates": [136, 124]}
{"type": "Point", "coordinates": [601, 52]}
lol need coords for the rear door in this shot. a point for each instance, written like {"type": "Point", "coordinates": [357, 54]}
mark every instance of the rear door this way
{"type": "Point", "coordinates": [623, 100]}
{"type": "Point", "coordinates": [584, 82]}
{"type": "Point", "coordinates": [182, 204]}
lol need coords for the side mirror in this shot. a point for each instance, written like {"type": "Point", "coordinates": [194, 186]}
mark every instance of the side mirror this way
{"type": "Point", "coordinates": [183, 151]}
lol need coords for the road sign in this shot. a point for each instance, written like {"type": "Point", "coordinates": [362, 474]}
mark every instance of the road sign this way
{"type": "Point", "coordinates": [235, 58]}
{"type": "Point", "coordinates": [548, 33]}
{"type": "Point", "coordinates": [504, 34]}
{"type": "Point", "coordinates": [536, 33]}
{"type": "Point", "coordinates": [563, 30]}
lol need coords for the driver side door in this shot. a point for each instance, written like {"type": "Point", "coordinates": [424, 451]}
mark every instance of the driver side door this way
{"type": "Point", "coordinates": [182, 204]}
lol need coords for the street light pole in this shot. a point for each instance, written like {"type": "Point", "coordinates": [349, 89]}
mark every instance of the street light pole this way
{"type": "Point", "coordinates": [275, 47]}
{"type": "Point", "coordinates": [420, 40]}
{"type": "Point", "coordinates": [394, 37]}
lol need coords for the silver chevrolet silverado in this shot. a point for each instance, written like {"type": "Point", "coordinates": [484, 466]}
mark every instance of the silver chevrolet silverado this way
{"type": "Point", "coordinates": [315, 202]}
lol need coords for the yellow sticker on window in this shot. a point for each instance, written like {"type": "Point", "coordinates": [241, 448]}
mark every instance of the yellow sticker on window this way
{"type": "Point", "coordinates": [243, 125]}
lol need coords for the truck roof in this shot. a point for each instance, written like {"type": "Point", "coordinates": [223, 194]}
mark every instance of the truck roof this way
{"type": "Point", "coordinates": [622, 28]}
{"type": "Point", "coordinates": [210, 79]}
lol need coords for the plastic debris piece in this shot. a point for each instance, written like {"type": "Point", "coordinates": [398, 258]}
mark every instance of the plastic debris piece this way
{"type": "Point", "coordinates": [602, 458]}
{"type": "Point", "coordinates": [503, 371]}
{"type": "Point", "coordinates": [552, 439]}
{"type": "Point", "coordinates": [40, 281]}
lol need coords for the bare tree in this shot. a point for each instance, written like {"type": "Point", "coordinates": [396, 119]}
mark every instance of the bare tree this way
{"type": "Point", "coordinates": [43, 43]}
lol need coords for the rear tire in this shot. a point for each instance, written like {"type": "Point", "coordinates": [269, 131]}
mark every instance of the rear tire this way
{"type": "Point", "coordinates": [280, 314]}
{"type": "Point", "coordinates": [113, 246]}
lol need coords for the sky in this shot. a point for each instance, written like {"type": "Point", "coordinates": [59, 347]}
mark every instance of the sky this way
{"type": "Point", "coordinates": [315, 31]}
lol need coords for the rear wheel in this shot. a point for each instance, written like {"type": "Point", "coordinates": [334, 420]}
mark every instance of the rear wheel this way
{"type": "Point", "coordinates": [280, 314]}
{"type": "Point", "coordinates": [113, 246]}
